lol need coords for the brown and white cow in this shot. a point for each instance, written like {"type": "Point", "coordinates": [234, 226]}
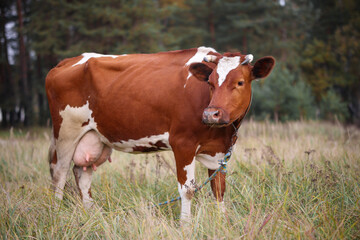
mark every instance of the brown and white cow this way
{"type": "Point", "coordinates": [148, 102]}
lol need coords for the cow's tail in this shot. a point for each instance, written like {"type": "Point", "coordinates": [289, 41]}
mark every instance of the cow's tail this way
{"type": "Point", "coordinates": [52, 158]}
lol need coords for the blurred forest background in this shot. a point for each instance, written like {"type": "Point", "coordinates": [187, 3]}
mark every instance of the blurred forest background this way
{"type": "Point", "coordinates": [316, 44]}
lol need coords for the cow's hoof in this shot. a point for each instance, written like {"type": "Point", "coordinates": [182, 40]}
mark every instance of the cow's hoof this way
{"type": "Point", "coordinates": [185, 221]}
{"type": "Point", "coordinates": [88, 204]}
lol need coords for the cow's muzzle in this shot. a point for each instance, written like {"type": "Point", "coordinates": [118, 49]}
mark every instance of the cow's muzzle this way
{"type": "Point", "coordinates": [215, 117]}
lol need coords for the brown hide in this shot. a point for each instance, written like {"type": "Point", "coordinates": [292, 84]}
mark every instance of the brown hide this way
{"type": "Point", "coordinates": [141, 95]}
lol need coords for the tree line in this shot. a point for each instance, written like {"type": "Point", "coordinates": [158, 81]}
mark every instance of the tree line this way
{"type": "Point", "coordinates": [315, 42]}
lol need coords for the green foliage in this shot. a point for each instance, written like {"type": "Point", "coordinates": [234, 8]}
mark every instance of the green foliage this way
{"type": "Point", "coordinates": [320, 66]}
{"type": "Point", "coordinates": [98, 26]}
{"type": "Point", "coordinates": [332, 107]}
{"type": "Point", "coordinates": [188, 24]}
{"type": "Point", "coordinates": [331, 58]}
{"type": "Point", "coordinates": [282, 97]}
{"type": "Point", "coordinates": [48, 26]}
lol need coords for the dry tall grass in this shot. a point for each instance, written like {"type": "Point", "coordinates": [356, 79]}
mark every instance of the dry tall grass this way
{"type": "Point", "coordinates": [285, 181]}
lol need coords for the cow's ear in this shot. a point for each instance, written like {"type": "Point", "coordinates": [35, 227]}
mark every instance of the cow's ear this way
{"type": "Point", "coordinates": [201, 71]}
{"type": "Point", "coordinates": [262, 68]}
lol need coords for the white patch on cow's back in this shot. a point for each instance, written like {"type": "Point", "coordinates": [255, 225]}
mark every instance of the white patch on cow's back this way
{"type": "Point", "coordinates": [198, 57]}
{"type": "Point", "coordinates": [148, 142]}
{"type": "Point", "coordinates": [225, 65]}
{"type": "Point", "coordinates": [87, 56]}
{"type": "Point", "coordinates": [211, 162]}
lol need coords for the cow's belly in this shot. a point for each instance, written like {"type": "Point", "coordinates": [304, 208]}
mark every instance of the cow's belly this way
{"type": "Point", "coordinates": [146, 144]}
{"type": "Point", "coordinates": [77, 121]}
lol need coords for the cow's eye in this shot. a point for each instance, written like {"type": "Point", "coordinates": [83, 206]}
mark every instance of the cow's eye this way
{"type": "Point", "coordinates": [240, 83]}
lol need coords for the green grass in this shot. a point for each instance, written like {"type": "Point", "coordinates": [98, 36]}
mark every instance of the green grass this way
{"type": "Point", "coordinates": [274, 190]}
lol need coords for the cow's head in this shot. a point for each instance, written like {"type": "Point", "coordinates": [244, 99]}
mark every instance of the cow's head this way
{"type": "Point", "coordinates": [229, 77]}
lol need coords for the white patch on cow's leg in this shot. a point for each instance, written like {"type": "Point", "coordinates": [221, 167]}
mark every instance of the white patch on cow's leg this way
{"type": "Point", "coordinates": [83, 181]}
{"type": "Point", "coordinates": [187, 191]}
{"type": "Point", "coordinates": [72, 129]}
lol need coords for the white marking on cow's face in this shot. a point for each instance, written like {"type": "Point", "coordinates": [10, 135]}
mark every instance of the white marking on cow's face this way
{"type": "Point", "coordinates": [147, 142]}
{"type": "Point", "coordinates": [225, 65]}
{"type": "Point", "coordinates": [211, 162]}
{"type": "Point", "coordinates": [198, 57]}
{"type": "Point", "coordinates": [87, 56]}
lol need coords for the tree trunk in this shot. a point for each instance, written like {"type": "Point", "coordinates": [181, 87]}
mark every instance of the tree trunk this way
{"type": "Point", "coordinates": [26, 99]}
{"type": "Point", "coordinates": [354, 105]}
{"type": "Point", "coordinates": [8, 85]}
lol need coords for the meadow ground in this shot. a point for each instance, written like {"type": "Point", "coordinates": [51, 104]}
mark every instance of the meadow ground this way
{"type": "Point", "coordinates": [296, 180]}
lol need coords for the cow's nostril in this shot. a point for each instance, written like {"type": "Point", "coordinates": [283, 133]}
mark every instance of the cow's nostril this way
{"type": "Point", "coordinates": [213, 116]}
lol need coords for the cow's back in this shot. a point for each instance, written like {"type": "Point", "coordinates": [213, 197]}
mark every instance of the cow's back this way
{"type": "Point", "coordinates": [128, 92]}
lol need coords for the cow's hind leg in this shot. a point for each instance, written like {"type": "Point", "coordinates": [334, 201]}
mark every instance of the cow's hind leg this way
{"type": "Point", "coordinates": [83, 182]}
{"type": "Point", "coordinates": [59, 162]}
{"type": "Point", "coordinates": [59, 169]}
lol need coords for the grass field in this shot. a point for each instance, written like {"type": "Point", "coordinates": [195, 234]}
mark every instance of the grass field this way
{"type": "Point", "coordinates": [296, 180]}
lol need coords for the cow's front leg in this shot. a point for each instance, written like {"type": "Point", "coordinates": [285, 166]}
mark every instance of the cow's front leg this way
{"type": "Point", "coordinates": [218, 186]}
{"type": "Point", "coordinates": [185, 168]}
{"type": "Point", "coordinates": [83, 182]}
{"type": "Point", "coordinates": [186, 189]}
